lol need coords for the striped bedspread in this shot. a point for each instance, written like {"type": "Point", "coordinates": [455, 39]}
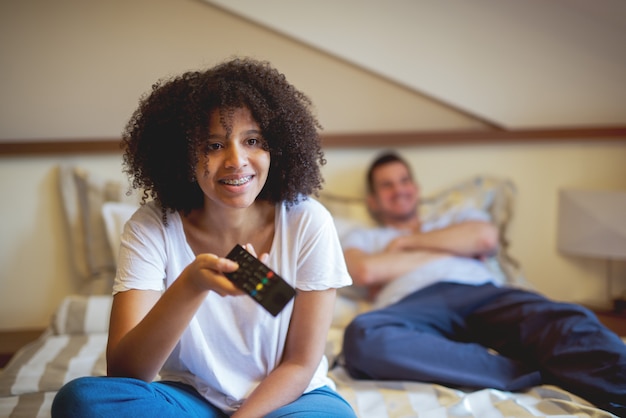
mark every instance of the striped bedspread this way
{"type": "Point", "coordinates": [75, 347]}
{"type": "Point", "coordinates": [28, 385]}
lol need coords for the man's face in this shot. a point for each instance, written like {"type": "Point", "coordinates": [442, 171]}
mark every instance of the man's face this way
{"type": "Point", "coordinates": [395, 195]}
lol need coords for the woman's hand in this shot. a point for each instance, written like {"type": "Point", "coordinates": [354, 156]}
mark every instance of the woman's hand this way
{"type": "Point", "coordinates": [206, 272]}
{"type": "Point", "coordinates": [146, 325]}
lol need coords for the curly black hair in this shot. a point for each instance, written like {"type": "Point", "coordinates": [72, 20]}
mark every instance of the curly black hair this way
{"type": "Point", "coordinates": [163, 140]}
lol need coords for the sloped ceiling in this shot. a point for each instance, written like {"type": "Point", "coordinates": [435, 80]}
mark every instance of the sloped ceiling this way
{"type": "Point", "coordinates": [517, 64]}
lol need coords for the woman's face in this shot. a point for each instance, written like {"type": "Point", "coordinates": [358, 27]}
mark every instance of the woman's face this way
{"type": "Point", "coordinates": [234, 169]}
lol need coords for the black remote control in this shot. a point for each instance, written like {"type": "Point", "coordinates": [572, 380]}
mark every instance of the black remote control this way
{"type": "Point", "coordinates": [262, 284]}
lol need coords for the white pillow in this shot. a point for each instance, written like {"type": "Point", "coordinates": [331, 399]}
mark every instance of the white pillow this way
{"type": "Point", "coordinates": [115, 215]}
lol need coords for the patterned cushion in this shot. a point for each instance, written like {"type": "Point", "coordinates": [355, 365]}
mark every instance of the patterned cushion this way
{"type": "Point", "coordinates": [494, 196]}
{"type": "Point", "coordinates": [83, 194]}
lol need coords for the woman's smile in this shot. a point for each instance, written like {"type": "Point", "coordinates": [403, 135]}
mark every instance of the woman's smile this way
{"type": "Point", "coordinates": [236, 181]}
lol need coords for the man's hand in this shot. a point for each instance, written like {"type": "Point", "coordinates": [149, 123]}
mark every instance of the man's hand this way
{"type": "Point", "coordinates": [466, 239]}
{"type": "Point", "coordinates": [397, 244]}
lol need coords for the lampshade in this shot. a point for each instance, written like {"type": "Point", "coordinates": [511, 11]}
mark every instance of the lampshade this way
{"type": "Point", "coordinates": [592, 223]}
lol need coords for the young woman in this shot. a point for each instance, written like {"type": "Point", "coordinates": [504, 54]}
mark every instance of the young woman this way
{"type": "Point", "coordinates": [225, 156]}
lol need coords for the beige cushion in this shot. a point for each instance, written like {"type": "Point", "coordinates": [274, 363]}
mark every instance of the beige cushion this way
{"type": "Point", "coordinates": [82, 195]}
{"type": "Point", "coordinates": [494, 196]}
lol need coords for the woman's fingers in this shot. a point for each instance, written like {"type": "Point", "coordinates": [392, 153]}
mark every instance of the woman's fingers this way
{"type": "Point", "coordinates": [250, 249]}
{"type": "Point", "coordinates": [219, 264]}
{"type": "Point", "coordinates": [264, 257]}
{"type": "Point", "coordinates": [212, 269]}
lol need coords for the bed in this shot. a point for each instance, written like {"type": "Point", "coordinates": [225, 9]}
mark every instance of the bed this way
{"type": "Point", "coordinates": [74, 343]}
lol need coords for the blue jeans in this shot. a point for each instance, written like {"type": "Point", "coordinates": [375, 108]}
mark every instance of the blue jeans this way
{"type": "Point", "coordinates": [120, 397]}
{"type": "Point", "coordinates": [444, 333]}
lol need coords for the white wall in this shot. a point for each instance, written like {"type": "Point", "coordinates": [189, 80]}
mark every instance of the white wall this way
{"type": "Point", "coordinates": [72, 69]}
{"type": "Point", "coordinates": [36, 270]}
{"type": "Point", "coordinates": [76, 69]}
{"type": "Point", "coordinates": [489, 57]}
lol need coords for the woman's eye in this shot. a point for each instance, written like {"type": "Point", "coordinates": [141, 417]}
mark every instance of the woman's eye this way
{"type": "Point", "coordinates": [214, 146]}
{"type": "Point", "coordinates": [258, 143]}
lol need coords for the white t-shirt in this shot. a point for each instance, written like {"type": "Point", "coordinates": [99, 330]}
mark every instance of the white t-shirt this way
{"type": "Point", "coordinates": [450, 269]}
{"type": "Point", "coordinates": [232, 343]}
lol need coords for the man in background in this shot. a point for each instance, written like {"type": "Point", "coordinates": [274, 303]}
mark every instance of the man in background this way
{"type": "Point", "coordinates": [440, 317]}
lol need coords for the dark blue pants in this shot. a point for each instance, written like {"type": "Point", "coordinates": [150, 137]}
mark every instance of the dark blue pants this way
{"type": "Point", "coordinates": [447, 334]}
{"type": "Point", "coordinates": [120, 397]}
